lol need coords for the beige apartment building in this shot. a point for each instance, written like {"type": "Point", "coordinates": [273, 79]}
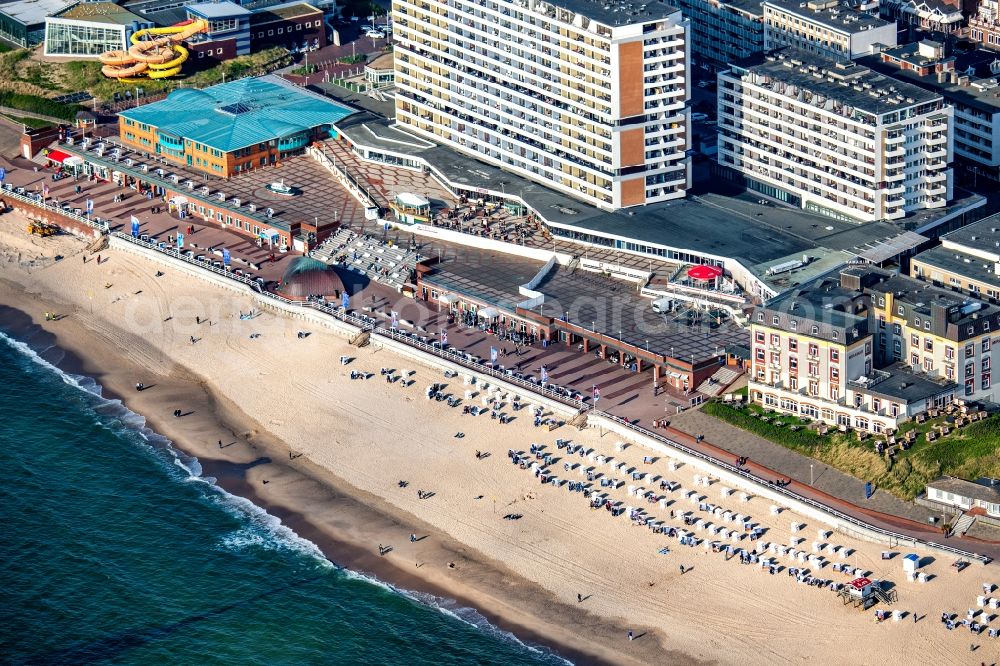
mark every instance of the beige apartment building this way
{"type": "Point", "coordinates": [828, 28]}
{"type": "Point", "coordinates": [815, 355]}
{"type": "Point", "coordinates": [586, 97]}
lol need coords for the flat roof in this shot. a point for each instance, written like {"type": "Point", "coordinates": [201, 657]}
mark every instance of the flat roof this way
{"type": "Point", "coordinates": [241, 113]}
{"type": "Point", "coordinates": [981, 93]}
{"type": "Point", "coordinates": [960, 263]}
{"type": "Point", "coordinates": [99, 12]}
{"type": "Point", "coordinates": [793, 67]}
{"type": "Point", "coordinates": [970, 489]}
{"type": "Point", "coordinates": [840, 17]}
{"type": "Point", "coordinates": [900, 383]}
{"type": "Point", "coordinates": [617, 12]}
{"type": "Point", "coordinates": [32, 12]}
{"type": "Point", "coordinates": [284, 11]}
{"type": "Point", "coordinates": [984, 233]}
{"type": "Point", "coordinates": [218, 10]}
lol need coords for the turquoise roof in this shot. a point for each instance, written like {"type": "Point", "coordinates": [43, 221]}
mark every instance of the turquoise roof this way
{"type": "Point", "coordinates": [235, 115]}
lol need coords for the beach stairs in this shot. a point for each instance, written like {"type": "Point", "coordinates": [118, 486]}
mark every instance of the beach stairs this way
{"type": "Point", "coordinates": [963, 524]}
{"type": "Point", "coordinates": [719, 381]}
{"type": "Point", "coordinates": [888, 597]}
{"type": "Point", "coordinates": [99, 244]}
{"type": "Point", "coordinates": [579, 421]}
{"type": "Point", "coordinates": [573, 265]}
{"type": "Point", "coordinates": [361, 339]}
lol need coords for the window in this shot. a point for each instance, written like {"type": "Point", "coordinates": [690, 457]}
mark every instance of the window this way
{"type": "Point", "coordinates": [949, 373]}
{"type": "Point", "coordinates": [970, 386]}
{"type": "Point", "coordinates": [928, 345]}
{"type": "Point", "coordinates": [218, 51]}
{"type": "Point", "coordinates": [814, 368]}
{"type": "Point", "coordinates": [814, 390]}
{"type": "Point", "coordinates": [894, 410]}
{"type": "Point", "coordinates": [793, 383]}
{"type": "Point", "coordinates": [759, 354]}
{"type": "Point", "coordinates": [270, 33]}
{"type": "Point", "coordinates": [760, 316]}
{"type": "Point", "coordinates": [897, 329]}
{"type": "Point", "coordinates": [914, 340]}
{"type": "Point", "coordinates": [985, 363]}
{"type": "Point", "coordinates": [949, 353]}
{"type": "Point", "coordinates": [774, 320]}
{"type": "Point", "coordinates": [985, 345]}
{"type": "Point", "coordinates": [793, 324]}
{"type": "Point", "coordinates": [834, 374]}
{"type": "Point", "coordinates": [775, 339]}
{"type": "Point", "coordinates": [970, 369]}
{"type": "Point", "coordinates": [927, 326]}
{"type": "Point", "coordinates": [793, 344]}
{"type": "Point", "coordinates": [298, 26]}
{"type": "Point", "coordinates": [986, 380]}
{"type": "Point", "coordinates": [914, 360]}
{"type": "Point", "coordinates": [815, 330]}
{"type": "Point", "coordinates": [793, 363]}
{"type": "Point", "coordinates": [916, 322]}
{"type": "Point", "coordinates": [281, 30]}
{"type": "Point", "coordinates": [876, 404]}
{"type": "Point", "coordinates": [759, 337]}
{"type": "Point", "coordinates": [260, 34]}
{"type": "Point", "coordinates": [881, 321]}
{"type": "Point", "coordinates": [928, 364]}
{"type": "Point", "coordinates": [970, 350]}
{"type": "Point", "coordinates": [900, 310]}
{"type": "Point", "coordinates": [776, 358]}
{"type": "Point", "coordinates": [881, 301]}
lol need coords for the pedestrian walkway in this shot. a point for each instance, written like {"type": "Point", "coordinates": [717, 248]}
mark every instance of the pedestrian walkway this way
{"type": "Point", "coordinates": [793, 465]}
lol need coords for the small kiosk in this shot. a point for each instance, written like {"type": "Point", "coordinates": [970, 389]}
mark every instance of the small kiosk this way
{"type": "Point", "coordinates": [411, 208]}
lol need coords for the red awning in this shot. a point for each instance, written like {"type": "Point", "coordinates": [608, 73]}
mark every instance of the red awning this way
{"type": "Point", "coordinates": [57, 156]}
{"type": "Point", "coordinates": [705, 272]}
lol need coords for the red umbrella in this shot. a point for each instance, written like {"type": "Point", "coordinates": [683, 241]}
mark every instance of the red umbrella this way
{"type": "Point", "coordinates": [705, 272]}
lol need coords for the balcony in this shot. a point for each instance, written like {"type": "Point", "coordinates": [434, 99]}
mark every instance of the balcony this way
{"type": "Point", "coordinates": [896, 152]}
{"type": "Point", "coordinates": [892, 140]}
{"type": "Point", "coordinates": [937, 140]}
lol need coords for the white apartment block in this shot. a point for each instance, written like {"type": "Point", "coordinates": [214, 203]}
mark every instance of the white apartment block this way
{"type": "Point", "coordinates": [587, 97]}
{"type": "Point", "coordinates": [825, 27]}
{"type": "Point", "coordinates": [835, 138]}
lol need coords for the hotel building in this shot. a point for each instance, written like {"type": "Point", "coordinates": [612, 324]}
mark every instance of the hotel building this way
{"type": "Point", "coordinates": [815, 355]}
{"type": "Point", "coordinates": [824, 27]}
{"type": "Point", "coordinates": [587, 97]}
{"type": "Point", "coordinates": [834, 138]}
{"type": "Point", "coordinates": [984, 26]}
{"type": "Point", "coordinates": [937, 332]}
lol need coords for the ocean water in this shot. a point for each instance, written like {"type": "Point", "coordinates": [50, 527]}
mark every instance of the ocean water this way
{"type": "Point", "coordinates": [114, 551]}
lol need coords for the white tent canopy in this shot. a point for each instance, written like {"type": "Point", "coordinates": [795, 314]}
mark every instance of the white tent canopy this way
{"type": "Point", "coordinates": [412, 200]}
{"type": "Point", "coordinates": [446, 298]}
{"type": "Point", "coordinates": [488, 313]}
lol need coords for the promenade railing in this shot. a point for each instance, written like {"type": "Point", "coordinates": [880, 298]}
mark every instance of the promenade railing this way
{"type": "Point", "coordinates": [781, 490]}
{"type": "Point", "coordinates": [455, 356]}
{"type": "Point", "coordinates": [36, 199]}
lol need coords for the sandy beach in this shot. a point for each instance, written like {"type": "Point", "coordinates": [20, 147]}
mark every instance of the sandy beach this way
{"type": "Point", "coordinates": [326, 453]}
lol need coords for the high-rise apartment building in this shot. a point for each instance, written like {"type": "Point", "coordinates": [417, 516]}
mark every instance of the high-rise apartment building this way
{"type": "Point", "coordinates": [825, 27]}
{"type": "Point", "coordinates": [723, 31]}
{"type": "Point", "coordinates": [587, 96]}
{"type": "Point", "coordinates": [835, 138]}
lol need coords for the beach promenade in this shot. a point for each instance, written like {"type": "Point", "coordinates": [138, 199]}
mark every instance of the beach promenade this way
{"type": "Point", "coordinates": [275, 397]}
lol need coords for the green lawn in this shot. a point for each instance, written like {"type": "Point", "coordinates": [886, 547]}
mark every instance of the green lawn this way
{"type": "Point", "coordinates": [971, 452]}
{"type": "Point", "coordinates": [34, 123]}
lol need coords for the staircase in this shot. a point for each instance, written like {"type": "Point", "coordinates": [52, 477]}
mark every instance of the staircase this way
{"type": "Point", "coordinates": [888, 597]}
{"type": "Point", "coordinates": [719, 381]}
{"type": "Point", "coordinates": [963, 524]}
{"type": "Point", "coordinates": [361, 339]}
{"type": "Point", "coordinates": [580, 420]}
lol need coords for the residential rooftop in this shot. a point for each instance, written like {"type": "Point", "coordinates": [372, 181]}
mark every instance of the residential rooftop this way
{"type": "Point", "coordinates": [982, 93]}
{"type": "Point", "coordinates": [615, 13]}
{"type": "Point", "coordinates": [834, 15]}
{"type": "Point", "coordinates": [848, 83]}
{"type": "Point", "coordinates": [948, 314]}
{"type": "Point", "coordinates": [99, 12]}
{"type": "Point", "coordinates": [960, 263]}
{"type": "Point", "coordinates": [822, 309]}
{"type": "Point", "coordinates": [983, 490]}
{"type": "Point", "coordinates": [899, 382]}
{"type": "Point", "coordinates": [242, 113]}
{"type": "Point", "coordinates": [982, 235]}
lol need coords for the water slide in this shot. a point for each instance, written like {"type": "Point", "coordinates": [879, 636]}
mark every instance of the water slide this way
{"type": "Point", "coordinates": [156, 53]}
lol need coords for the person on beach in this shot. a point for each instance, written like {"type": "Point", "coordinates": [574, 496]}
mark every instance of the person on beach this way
{"type": "Point", "coordinates": [579, 598]}
{"type": "Point", "coordinates": [413, 538]}
{"type": "Point", "coordinates": [631, 636]}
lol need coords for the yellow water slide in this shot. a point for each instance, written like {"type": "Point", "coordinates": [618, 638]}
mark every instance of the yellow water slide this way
{"type": "Point", "coordinates": [155, 53]}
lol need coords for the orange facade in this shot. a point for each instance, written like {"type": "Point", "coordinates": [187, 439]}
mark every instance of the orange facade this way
{"type": "Point", "coordinates": [632, 145]}
{"type": "Point", "coordinates": [634, 191]}
{"type": "Point", "coordinates": [630, 79]}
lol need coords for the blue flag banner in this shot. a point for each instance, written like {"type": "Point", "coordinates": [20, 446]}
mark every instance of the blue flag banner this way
{"type": "Point", "coordinates": [597, 394]}
{"type": "Point", "coordinates": [90, 206]}
{"type": "Point", "coordinates": [493, 355]}
{"type": "Point", "coordinates": [225, 256]}
{"type": "Point", "coordinates": [395, 320]}
{"type": "Point", "coordinates": [869, 490]}
{"type": "Point", "coordinates": [135, 227]}
{"type": "Point", "coordinates": [3, 173]}
{"type": "Point", "coordinates": [545, 375]}
{"type": "Point", "coordinates": [444, 338]}
{"type": "Point", "coordinates": [345, 300]}
{"type": "Point", "coordinates": [180, 241]}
